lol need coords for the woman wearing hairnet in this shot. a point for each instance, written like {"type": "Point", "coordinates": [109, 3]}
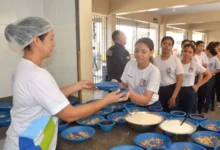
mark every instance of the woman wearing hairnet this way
{"type": "Point", "coordinates": [37, 99]}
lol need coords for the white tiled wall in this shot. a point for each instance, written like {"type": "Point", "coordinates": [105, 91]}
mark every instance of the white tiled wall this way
{"type": "Point", "coordinates": [62, 65]}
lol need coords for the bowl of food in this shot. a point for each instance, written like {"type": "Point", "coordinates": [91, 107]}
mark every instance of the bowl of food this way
{"type": "Point", "coordinates": [178, 114]}
{"type": "Point", "coordinates": [155, 108]}
{"type": "Point", "coordinates": [117, 117]}
{"type": "Point", "coordinates": [206, 139]}
{"type": "Point", "coordinates": [174, 129]}
{"type": "Point", "coordinates": [126, 147]}
{"type": "Point", "coordinates": [115, 106]}
{"type": "Point", "coordinates": [5, 106]}
{"type": "Point", "coordinates": [157, 148]}
{"type": "Point", "coordinates": [211, 125]}
{"type": "Point", "coordinates": [122, 90]}
{"type": "Point", "coordinates": [104, 111]}
{"type": "Point", "coordinates": [106, 86]}
{"type": "Point", "coordinates": [78, 133]}
{"type": "Point", "coordinates": [143, 121]}
{"type": "Point", "coordinates": [217, 147]}
{"type": "Point", "coordinates": [198, 117]}
{"type": "Point", "coordinates": [165, 115]}
{"type": "Point", "coordinates": [91, 121]}
{"type": "Point", "coordinates": [135, 109]}
{"type": "Point", "coordinates": [186, 146]}
{"type": "Point", "coordinates": [151, 139]}
{"type": "Point", "coordinates": [62, 125]}
{"type": "Point", "coordinates": [106, 125]}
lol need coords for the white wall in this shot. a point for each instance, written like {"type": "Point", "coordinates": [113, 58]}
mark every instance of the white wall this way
{"type": "Point", "coordinates": [214, 36]}
{"type": "Point", "coordinates": [62, 65]}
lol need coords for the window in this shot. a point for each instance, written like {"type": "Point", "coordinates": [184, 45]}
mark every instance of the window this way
{"type": "Point", "coordinates": [198, 36]}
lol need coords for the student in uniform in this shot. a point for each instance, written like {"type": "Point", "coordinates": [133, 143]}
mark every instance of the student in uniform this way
{"type": "Point", "coordinates": [171, 72]}
{"type": "Point", "coordinates": [214, 68]}
{"type": "Point", "coordinates": [35, 92]}
{"type": "Point", "coordinates": [217, 79]}
{"type": "Point", "coordinates": [191, 69]}
{"type": "Point", "coordinates": [141, 77]}
{"type": "Point", "coordinates": [184, 42]}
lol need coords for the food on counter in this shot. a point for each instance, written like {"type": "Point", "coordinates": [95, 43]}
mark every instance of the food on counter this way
{"type": "Point", "coordinates": [173, 126]}
{"type": "Point", "coordinates": [153, 142]}
{"type": "Point", "coordinates": [79, 135]}
{"type": "Point", "coordinates": [119, 118]}
{"type": "Point", "coordinates": [91, 121]}
{"type": "Point", "coordinates": [212, 127]}
{"type": "Point", "coordinates": [210, 141]}
{"type": "Point", "coordinates": [144, 118]}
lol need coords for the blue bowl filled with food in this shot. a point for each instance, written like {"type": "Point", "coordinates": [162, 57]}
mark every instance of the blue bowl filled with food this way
{"type": "Point", "coordinates": [91, 121]}
{"type": "Point", "coordinates": [206, 139]}
{"type": "Point", "coordinates": [117, 117]}
{"type": "Point", "coordinates": [217, 147]}
{"type": "Point", "coordinates": [106, 125]}
{"type": "Point", "coordinates": [186, 146]}
{"type": "Point", "coordinates": [155, 108]}
{"type": "Point", "coordinates": [115, 106]}
{"type": "Point", "coordinates": [157, 148]}
{"type": "Point", "coordinates": [5, 121]}
{"type": "Point", "coordinates": [211, 125]}
{"type": "Point", "coordinates": [165, 115]}
{"type": "Point", "coordinates": [62, 125]}
{"type": "Point", "coordinates": [178, 114]}
{"type": "Point", "coordinates": [5, 106]}
{"type": "Point", "coordinates": [198, 117]}
{"type": "Point", "coordinates": [135, 109]}
{"type": "Point", "coordinates": [106, 86]}
{"type": "Point", "coordinates": [4, 114]}
{"type": "Point", "coordinates": [126, 147]}
{"type": "Point", "coordinates": [104, 111]}
{"type": "Point", "coordinates": [78, 133]}
{"type": "Point", "coordinates": [122, 90]}
{"type": "Point", "coordinates": [150, 140]}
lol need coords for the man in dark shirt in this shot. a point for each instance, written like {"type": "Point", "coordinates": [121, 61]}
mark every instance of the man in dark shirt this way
{"type": "Point", "coordinates": [117, 56]}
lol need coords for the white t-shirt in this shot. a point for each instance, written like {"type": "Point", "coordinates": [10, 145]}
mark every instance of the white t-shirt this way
{"type": "Point", "coordinates": [190, 71]}
{"type": "Point", "coordinates": [214, 64]}
{"type": "Point", "coordinates": [197, 58]}
{"type": "Point", "coordinates": [169, 69]}
{"type": "Point", "coordinates": [35, 94]}
{"type": "Point", "coordinates": [201, 58]}
{"type": "Point", "coordinates": [204, 58]}
{"type": "Point", "coordinates": [140, 81]}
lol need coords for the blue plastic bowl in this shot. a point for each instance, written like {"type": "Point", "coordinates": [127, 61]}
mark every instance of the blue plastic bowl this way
{"type": "Point", "coordinates": [178, 114]}
{"type": "Point", "coordinates": [131, 104]}
{"type": "Point", "coordinates": [115, 115]}
{"type": "Point", "coordinates": [122, 90]}
{"type": "Point", "coordinates": [106, 125]}
{"type": "Point", "coordinates": [4, 114]}
{"type": "Point", "coordinates": [204, 133]}
{"type": "Point", "coordinates": [75, 130]}
{"type": "Point", "coordinates": [198, 117]}
{"type": "Point", "coordinates": [155, 108]}
{"type": "Point", "coordinates": [126, 147]}
{"type": "Point", "coordinates": [106, 86]}
{"type": "Point", "coordinates": [133, 109]}
{"type": "Point", "coordinates": [5, 106]}
{"type": "Point", "coordinates": [5, 122]}
{"type": "Point", "coordinates": [165, 115]}
{"type": "Point", "coordinates": [157, 148]}
{"type": "Point", "coordinates": [203, 124]}
{"type": "Point", "coordinates": [145, 136]}
{"type": "Point", "coordinates": [104, 111]}
{"type": "Point", "coordinates": [217, 147]}
{"type": "Point", "coordinates": [182, 145]}
{"type": "Point", "coordinates": [115, 106]}
{"type": "Point", "coordinates": [85, 120]}
{"type": "Point", "coordinates": [62, 125]}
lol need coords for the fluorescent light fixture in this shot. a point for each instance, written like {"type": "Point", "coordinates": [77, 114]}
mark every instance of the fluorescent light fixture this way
{"type": "Point", "coordinates": [153, 9]}
{"type": "Point", "coordinates": [179, 6]}
{"type": "Point", "coordinates": [176, 24]}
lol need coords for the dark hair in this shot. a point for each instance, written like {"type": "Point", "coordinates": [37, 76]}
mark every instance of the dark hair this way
{"type": "Point", "coordinates": [199, 42]}
{"type": "Point", "coordinates": [149, 43]}
{"type": "Point", "coordinates": [217, 43]}
{"type": "Point", "coordinates": [167, 38]}
{"type": "Point", "coordinates": [41, 37]}
{"type": "Point", "coordinates": [211, 48]}
{"type": "Point", "coordinates": [185, 40]}
{"type": "Point", "coordinates": [193, 42]}
{"type": "Point", "coordinates": [115, 35]}
{"type": "Point", "coordinates": [190, 46]}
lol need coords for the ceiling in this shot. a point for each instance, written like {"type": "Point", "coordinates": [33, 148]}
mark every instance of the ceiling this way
{"type": "Point", "coordinates": [189, 9]}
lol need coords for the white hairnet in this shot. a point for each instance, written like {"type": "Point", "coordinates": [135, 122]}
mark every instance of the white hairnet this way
{"type": "Point", "coordinates": [21, 33]}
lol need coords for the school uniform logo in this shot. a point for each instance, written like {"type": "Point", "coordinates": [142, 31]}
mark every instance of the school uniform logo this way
{"type": "Point", "coordinates": [169, 70]}
{"type": "Point", "coordinates": [190, 70]}
{"type": "Point", "coordinates": [142, 83]}
{"type": "Point", "coordinates": [210, 65]}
